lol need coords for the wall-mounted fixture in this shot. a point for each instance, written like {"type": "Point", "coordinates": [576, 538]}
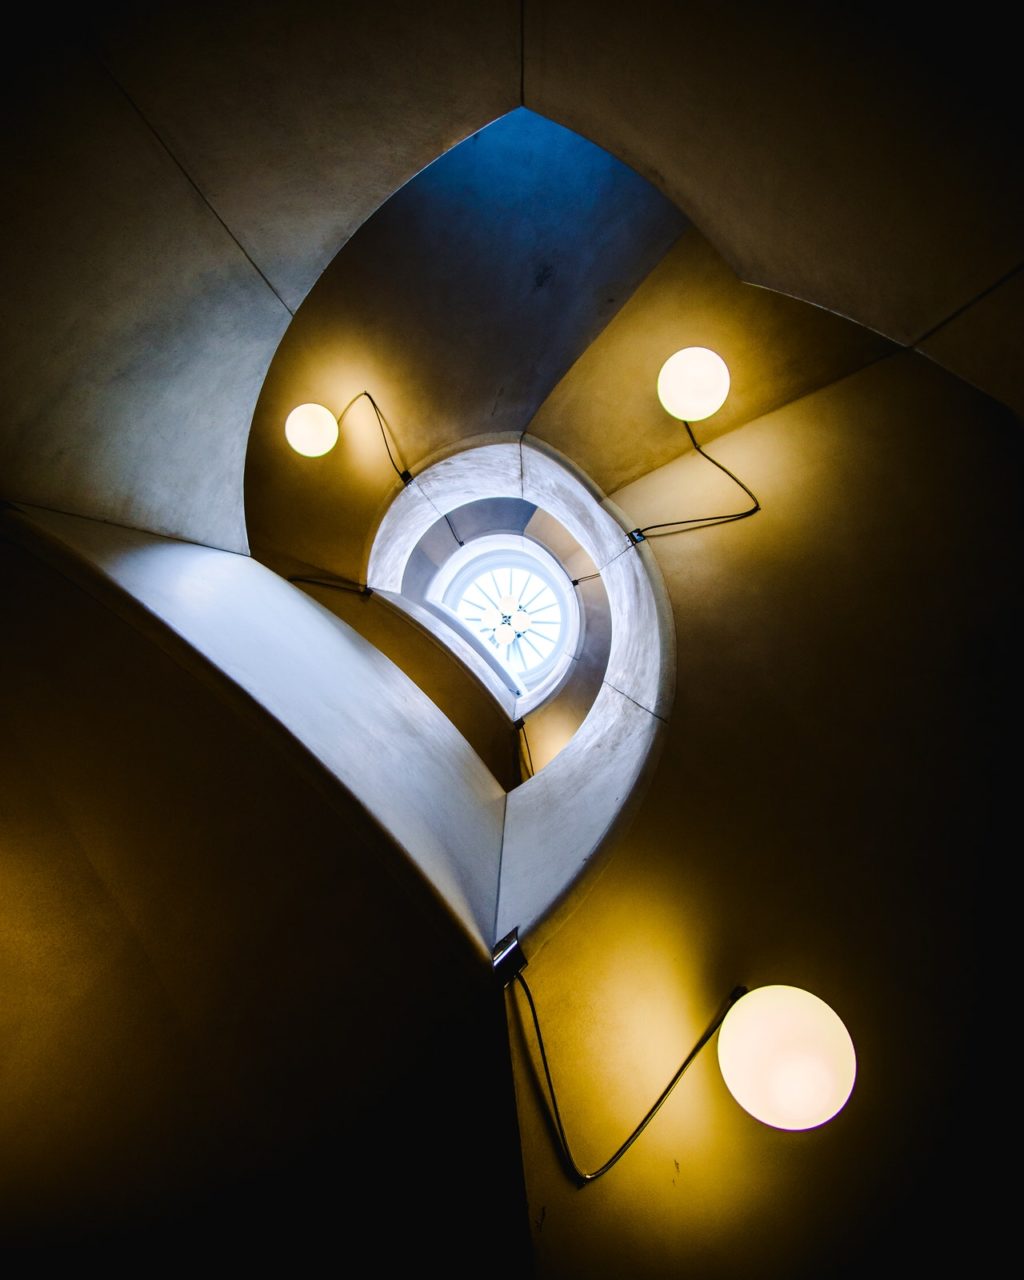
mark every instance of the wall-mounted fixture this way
{"type": "Point", "coordinates": [693, 384]}
{"type": "Point", "coordinates": [786, 1057]}
{"type": "Point", "coordinates": [312, 430]}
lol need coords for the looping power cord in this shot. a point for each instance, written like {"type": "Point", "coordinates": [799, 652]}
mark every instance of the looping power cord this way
{"type": "Point", "coordinates": [406, 477]}
{"type": "Point", "coordinates": [402, 471]}
{"type": "Point", "coordinates": [636, 536]}
{"type": "Point", "coordinates": [581, 1175]}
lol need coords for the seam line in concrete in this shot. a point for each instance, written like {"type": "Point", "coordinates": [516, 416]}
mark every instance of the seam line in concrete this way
{"type": "Point", "coordinates": [1007, 275]}
{"type": "Point", "coordinates": [634, 701]}
{"type": "Point", "coordinates": [191, 181]}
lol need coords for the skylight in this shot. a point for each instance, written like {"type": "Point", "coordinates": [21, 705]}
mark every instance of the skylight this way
{"type": "Point", "coordinates": [512, 600]}
{"type": "Point", "coordinates": [515, 610]}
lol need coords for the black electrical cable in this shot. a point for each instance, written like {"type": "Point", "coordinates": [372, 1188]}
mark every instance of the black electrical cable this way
{"type": "Point", "coordinates": [588, 576]}
{"type": "Point", "coordinates": [452, 528]}
{"type": "Point", "coordinates": [526, 743]}
{"type": "Point", "coordinates": [709, 520]}
{"type": "Point", "coordinates": [636, 536]}
{"type": "Point", "coordinates": [402, 472]}
{"type": "Point", "coordinates": [581, 1175]}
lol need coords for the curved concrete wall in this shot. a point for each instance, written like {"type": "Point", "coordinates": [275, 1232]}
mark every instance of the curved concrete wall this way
{"type": "Point", "coordinates": [458, 306]}
{"type": "Point", "coordinates": [834, 783]}
{"type": "Point", "coordinates": [557, 821]}
{"type": "Point", "coordinates": [823, 813]}
{"type": "Point", "coordinates": [211, 186]}
{"type": "Point", "coordinates": [220, 977]}
{"type": "Point", "coordinates": [357, 713]}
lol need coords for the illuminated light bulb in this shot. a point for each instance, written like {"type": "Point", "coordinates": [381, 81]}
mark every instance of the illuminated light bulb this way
{"type": "Point", "coordinates": [311, 430]}
{"type": "Point", "coordinates": [504, 633]}
{"type": "Point", "coordinates": [507, 604]}
{"type": "Point", "coordinates": [693, 384]}
{"type": "Point", "coordinates": [521, 621]}
{"type": "Point", "coordinates": [786, 1057]}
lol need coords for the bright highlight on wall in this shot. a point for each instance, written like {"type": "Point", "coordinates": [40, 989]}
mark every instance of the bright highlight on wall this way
{"type": "Point", "coordinates": [693, 384]}
{"type": "Point", "coordinates": [311, 430]}
{"type": "Point", "coordinates": [786, 1057]}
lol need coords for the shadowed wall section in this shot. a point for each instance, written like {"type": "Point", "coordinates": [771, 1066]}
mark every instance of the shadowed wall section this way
{"type": "Point", "coordinates": [825, 813]}
{"type": "Point", "coordinates": [363, 720]}
{"type": "Point", "coordinates": [213, 990]}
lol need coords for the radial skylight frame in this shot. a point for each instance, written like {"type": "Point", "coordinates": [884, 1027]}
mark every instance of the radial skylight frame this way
{"type": "Point", "coordinates": [515, 603]}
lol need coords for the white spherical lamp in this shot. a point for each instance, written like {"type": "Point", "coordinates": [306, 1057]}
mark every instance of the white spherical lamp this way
{"type": "Point", "coordinates": [311, 430]}
{"type": "Point", "coordinates": [786, 1057]}
{"type": "Point", "coordinates": [693, 384]}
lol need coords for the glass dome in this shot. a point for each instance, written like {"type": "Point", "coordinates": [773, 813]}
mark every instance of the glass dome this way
{"type": "Point", "coordinates": [514, 609]}
{"type": "Point", "coordinates": [515, 603]}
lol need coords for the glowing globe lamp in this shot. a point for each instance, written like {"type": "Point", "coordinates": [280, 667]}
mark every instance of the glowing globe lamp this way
{"type": "Point", "coordinates": [311, 430]}
{"type": "Point", "coordinates": [693, 384]}
{"type": "Point", "coordinates": [786, 1057]}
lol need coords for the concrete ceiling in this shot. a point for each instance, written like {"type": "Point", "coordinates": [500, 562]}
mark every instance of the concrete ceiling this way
{"type": "Point", "coordinates": [605, 412]}
{"type": "Point", "coordinates": [459, 305]}
{"type": "Point", "coordinates": [835, 778]}
{"type": "Point", "coordinates": [218, 164]}
{"type": "Point", "coordinates": [845, 156]}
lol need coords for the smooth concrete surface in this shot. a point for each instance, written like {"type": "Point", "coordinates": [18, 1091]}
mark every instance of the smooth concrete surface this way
{"type": "Point", "coordinates": [559, 819]}
{"type": "Point", "coordinates": [832, 790]}
{"type": "Point", "coordinates": [556, 821]}
{"type": "Point", "coordinates": [136, 333]}
{"type": "Point", "coordinates": [639, 659]}
{"type": "Point", "coordinates": [551, 724]}
{"type": "Point", "coordinates": [642, 644]}
{"type": "Point", "coordinates": [300, 120]}
{"type": "Point", "coordinates": [550, 727]}
{"type": "Point", "coordinates": [405, 523]}
{"type": "Point", "coordinates": [605, 413]}
{"type": "Point", "coordinates": [867, 175]}
{"type": "Point", "coordinates": [458, 306]}
{"type": "Point", "coordinates": [551, 533]}
{"type": "Point", "coordinates": [982, 345]}
{"type": "Point", "coordinates": [558, 485]}
{"type": "Point", "coordinates": [835, 781]}
{"type": "Point", "coordinates": [465, 655]}
{"type": "Point", "coordinates": [478, 470]}
{"type": "Point", "coordinates": [354, 710]}
{"type": "Point", "coordinates": [445, 669]}
{"type": "Point", "coordinates": [860, 159]}
{"type": "Point", "coordinates": [218, 979]}
{"type": "Point", "coordinates": [475, 473]}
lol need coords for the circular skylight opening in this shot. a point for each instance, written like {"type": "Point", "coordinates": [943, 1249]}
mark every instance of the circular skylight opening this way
{"type": "Point", "coordinates": [512, 600]}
